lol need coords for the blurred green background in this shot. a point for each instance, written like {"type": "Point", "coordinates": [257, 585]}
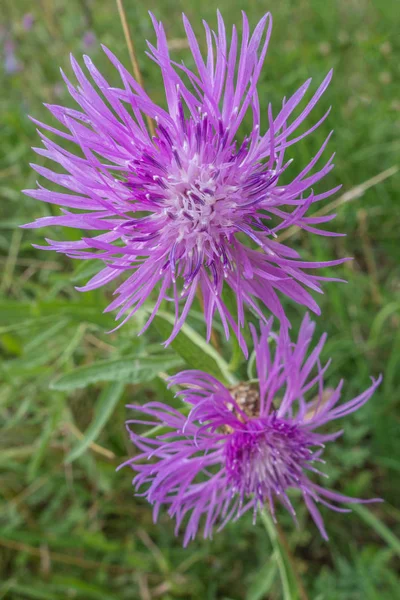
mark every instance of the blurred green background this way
{"type": "Point", "coordinates": [69, 524]}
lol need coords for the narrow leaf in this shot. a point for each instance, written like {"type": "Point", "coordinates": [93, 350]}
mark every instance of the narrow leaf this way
{"type": "Point", "coordinates": [45, 437]}
{"type": "Point", "coordinates": [46, 334]}
{"type": "Point", "coordinates": [132, 369]}
{"type": "Point", "coordinates": [28, 591]}
{"type": "Point", "coordinates": [196, 352]}
{"type": "Point", "coordinates": [380, 528]}
{"type": "Point", "coordinates": [104, 408]}
{"type": "Point", "coordinates": [263, 581]}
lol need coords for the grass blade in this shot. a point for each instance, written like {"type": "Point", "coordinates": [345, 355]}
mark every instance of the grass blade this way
{"type": "Point", "coordinates": [263, 581]}
{"type": "Point", "coordinates": [132, 369]}
{"type": "Point", "coordinates": [379, 527]}
{"type": "Point", "coordinates": [108, 400]}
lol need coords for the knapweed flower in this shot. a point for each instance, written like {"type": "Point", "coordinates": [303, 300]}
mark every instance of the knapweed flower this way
{"type": "Point", "coordinates": [11, 63]}
{"type": "Point", "coordinates": [246, 447]}
{"type": "Point", "coordinates": [194, 206]}
{"type": "Point", "coordinates": [27, 21]}
{"type": "Point", "coordinates": [89, 39]}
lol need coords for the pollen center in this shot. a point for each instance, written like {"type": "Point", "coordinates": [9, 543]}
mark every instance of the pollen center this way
{"type": "Point", "coordinates": [198, 206]}
{"type": "Point", "coordinates": [268, 457]}
{"type": "Point", "coordinates": [201, 190]}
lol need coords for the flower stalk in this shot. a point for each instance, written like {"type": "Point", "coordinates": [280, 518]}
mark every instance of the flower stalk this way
{"type": "Point", "coordinates": [292, 585]}
{"type": "Point", "coordinates": [132, 55]}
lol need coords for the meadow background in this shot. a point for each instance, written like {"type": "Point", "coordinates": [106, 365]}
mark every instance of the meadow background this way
{"type": "Point", "coordinates": [70, 526]}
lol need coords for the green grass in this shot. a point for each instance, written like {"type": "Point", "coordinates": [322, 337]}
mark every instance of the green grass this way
{"type": "Point", "coordinates": [69, 525]}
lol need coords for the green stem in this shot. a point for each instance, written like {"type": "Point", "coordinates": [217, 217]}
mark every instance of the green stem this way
{"type": "Point", "coordinates": [292, 586]}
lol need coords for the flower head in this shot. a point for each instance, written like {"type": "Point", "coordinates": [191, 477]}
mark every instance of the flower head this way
{"type": "Point", "coordinates": [11, 63]}
{"type": "Point", "coordinates": [28, 21]}
{"type": "Point", "coordinates": [89, 39]}
{"type": "Point", "coordinates": [246, 447]}
{"type": "Point", "coordinates": [195, 206]}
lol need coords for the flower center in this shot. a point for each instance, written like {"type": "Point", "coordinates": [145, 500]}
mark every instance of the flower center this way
{"type": "Point", "coordinates": [200, 190]}
{"type": "Point", "coordinates": [266, 458]}
{"type": "Point", "coordinates": [198, 207]}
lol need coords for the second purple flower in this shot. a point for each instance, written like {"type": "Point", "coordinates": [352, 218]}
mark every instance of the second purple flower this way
{"type": "Point", "coordinates": [248, 447]}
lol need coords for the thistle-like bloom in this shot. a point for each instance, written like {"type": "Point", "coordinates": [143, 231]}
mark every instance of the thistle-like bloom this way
{"type": "Point", "coordinates": [28, 21]}
{"type": "Point", "coordinates": [195, 205]}
{"type": "Point", "coordinates": [246, 447]}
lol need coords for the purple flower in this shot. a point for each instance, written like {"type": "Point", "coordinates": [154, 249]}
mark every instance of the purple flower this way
{"type": "Point", "coordinates": [195, 206]}
{"type": "Point", "coordinates": [246, 447]}
{"type": "Point", "coordinates": [89, 39]}
{"type": "Point", "coordinates": [11, 63]}
{"type": "Point", "coordinates": [27, 21]}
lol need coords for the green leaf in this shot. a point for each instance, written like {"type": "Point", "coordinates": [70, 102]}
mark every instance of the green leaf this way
{"type": "Point", "coordinates": [385, 313]}
{"type": "Point", "coordinates": [263, 581]}
{"type": "Point", "coordinates": [237, 357]}
{"type": "Point", "coordinates": [132, 369]}
{"type": "Point", "coordinates": [85, 270]}
{"type": "Point", "coordinates": [380, 528]}
{"type": "Point", "coordinates": [81, 589]}
{"type": "Point", "coordinates": [104, 407]}
{"type": "Point", "coordinates": [391, 369]}
{"type": "Point", "coordinates": [251, 366]}
{"type": "Point", "coordinates": [46, 334]}
{"type": "Point", "coordinates": [196, 352]}
{"type": "Point", "coordinates": [72, 345]}
{"type": "Point", "coordinates": [45, 437]}
{"type": "Point", "coordinates": [28, 591]}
